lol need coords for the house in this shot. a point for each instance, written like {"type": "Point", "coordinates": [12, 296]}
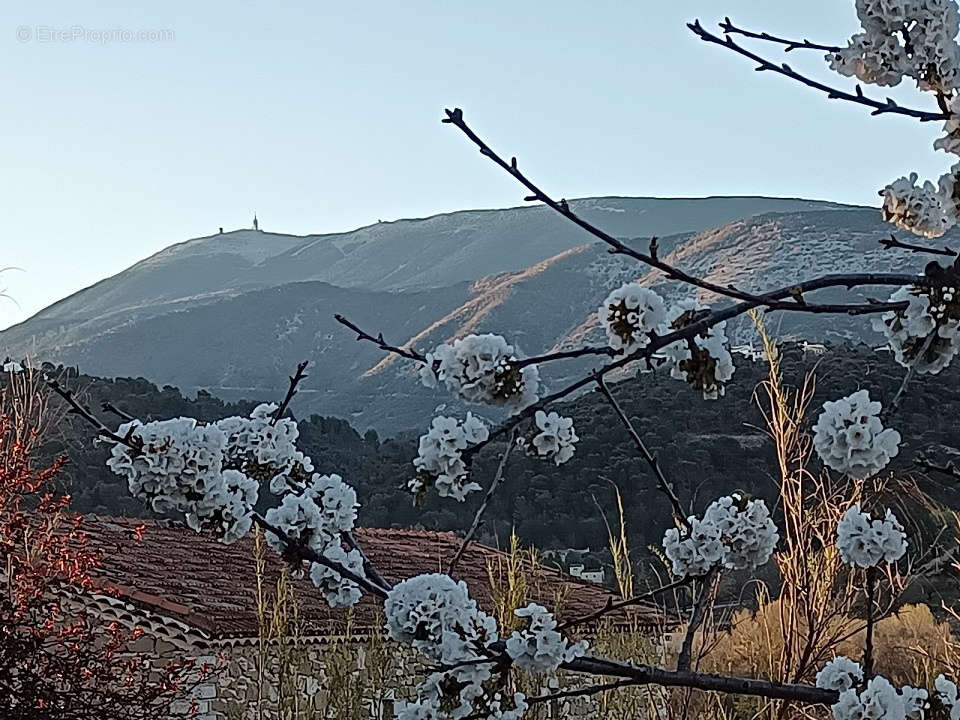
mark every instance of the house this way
{"type": "Point", "coordinates": [197, 598]}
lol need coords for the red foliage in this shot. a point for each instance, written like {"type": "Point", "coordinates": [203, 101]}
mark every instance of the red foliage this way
{"type": "Point", "coordinates": [57, 661]}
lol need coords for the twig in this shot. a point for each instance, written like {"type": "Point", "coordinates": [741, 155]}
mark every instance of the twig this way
{"type": "Point", "coordinates": [612, 606]}
{"type": "Point", "coordinates": [581, 692]}
{"type": "Point", "coordinates": [129, 439]}
{"type": "Point", "coordinates": [111, 408]}
{"type": "Point", "coordinates": [868, 644]}
{"type": "Point", "coordinates": [730, 29]}
{"type": "Point", "coordinates": [295, 380]}
{"type": "Point", "coordinates": [368, 567]}
{"type": "Point", "coordinates": [892, 242]}
{"type": "Point", "coordinates": [696, 618]}
{"type": "Point", "coordinates": [911, 371]}
{"type": "Point", "coordinates": [662, 485]}
{"type": "Point", "coordinates": [879, 107]}
{"type": "Point", "coordinates": [494, 484]}
{"type": "Point", "coordinates": [379, 341]}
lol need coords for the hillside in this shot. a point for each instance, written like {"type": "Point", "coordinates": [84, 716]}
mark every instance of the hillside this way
{"type": "Point", "coordinates": [232, 314]}
{"type": "Point", "coordinates": [706, 449]}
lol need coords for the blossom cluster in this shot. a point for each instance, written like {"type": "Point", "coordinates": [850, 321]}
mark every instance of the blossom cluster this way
{"type": "Point", "coordinates": [554, 439]}
{"type": "Point", "coordinates": [482, 369]}
{"type": "Point", "coordinates": [925, 335]}
{"type": "Point", "coordinates": [865, 542]}
{"type": "Point", "coordinates": [840, 674]}
{"type": "Point", "coordinates": [904, 38]}
{"type": "Point", "coordinates": [630, 314]}
{"type": "Point", "coordinates": [880, 699]}
{"type": "Point", "coordinates": [436, 615]}
{"type": "Point", "coordinates": [850, 438]}
{"type": "Point", "coordinates": [439, 461]}
{"type": "Point", "coordinates": [180, 468]}
{"type": "Point", "coordinates": [703, 362]}
{"type": "Point", "coordinates": [212, 473]}
{"type": "Point", "coordinates": [735, 532]}
{"type": "Point", "coordinates": [539, 647]}
{"type": "Point", "coordinates": [915, 39]}
{"type": "Point", "coordinates": [947, 694]}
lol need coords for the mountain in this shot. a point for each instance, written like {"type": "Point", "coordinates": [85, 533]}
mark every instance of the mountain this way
{"type": "Point", "coordinates": [234, 313]}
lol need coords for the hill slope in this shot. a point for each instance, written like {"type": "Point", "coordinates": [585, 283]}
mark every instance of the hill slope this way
{"type": "Point", "coordinates": [233, 313]}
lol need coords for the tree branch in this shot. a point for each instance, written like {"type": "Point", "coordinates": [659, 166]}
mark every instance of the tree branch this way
{"type": "Point", "coordinates": [494, 484]}
{"type": "Point", "coordinates": [612, 606]}
{"type": "Point", "coordinates": [892, 242]}
{"type": "Point", "coordinates": [129, 439]}
{"type": "Point", "coordinates": [879, 107]}
{"type": "Point", "coordinates": [697, 617]}
{"type": "Point", "coordinates": [379, 341]}
{"type": "Point", "coordinates": [730, 29]}
{"type": "Point", "coordinates": [645, 674]}
{"type": "Point", "coordinates": [295, 380]}
{"type": "Point", "coordinates": [368, 567]}
{"type": "Point", "coordinates": [662, 485]}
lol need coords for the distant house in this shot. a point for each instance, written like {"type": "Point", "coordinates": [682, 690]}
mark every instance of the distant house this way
{"type": "Point", "coordinates": [198, 598]}
{"type": "Point", "coordinates": [594, 576]}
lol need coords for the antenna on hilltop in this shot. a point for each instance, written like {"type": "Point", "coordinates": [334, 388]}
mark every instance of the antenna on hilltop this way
{"type": "Point", "coordinates": [256, 223]}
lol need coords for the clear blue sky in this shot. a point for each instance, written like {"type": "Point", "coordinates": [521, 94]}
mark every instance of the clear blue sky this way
{"type": "Point", "coordinates": [324, 116]}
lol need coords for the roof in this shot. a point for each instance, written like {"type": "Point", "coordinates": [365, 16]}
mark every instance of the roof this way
{"type": "Point", "coordinates": [210, 587]}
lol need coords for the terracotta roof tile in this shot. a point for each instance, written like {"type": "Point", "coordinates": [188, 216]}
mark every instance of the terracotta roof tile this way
{"type": "Point", "coordinates": [210, 587]}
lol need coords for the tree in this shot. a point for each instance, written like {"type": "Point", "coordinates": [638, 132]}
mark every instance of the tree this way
{"type": "Point", "coordinates": [57, 661]}
{"type": "Point", "coordinates": [212, 472]}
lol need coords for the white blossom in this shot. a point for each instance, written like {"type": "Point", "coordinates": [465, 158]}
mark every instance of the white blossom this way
{"type": "Point", "coordinates": [880, 700]}
{"type": "Point", "coordinates": [439, 461]}
{"type": "Point", "coordinates": [921, 209]}
{"type": "Point", "coordinates": [436, 615]}
{"type": "Point", "coordinates": [914, 701]}
{"type": "Point", "coordinates": [850, 438]}
{"type": "Point", "coordinates": [947, 694]}
{"type": "Point", "coordinates": [930, 311]}
{"type": "Point", "coordinates": [482, 369]}
{"type": "Point", "coordinates": [734, 532]}
{"type": "Point", "coordinates": [864, 542]}
{"type": "Point", "coordinates": [704, 361]}
{"type": "Point", "coordinates": [179, 468]}
{"type": "Point", "coordinates": [540, 647]}
{"type": "Point", "coordinates": [556, 439]}
{"type": "Point", "coordinates": [903, 38]}
{"type": "Point", "coordinates": [316, 517]}
{"type": "Point", "coordinates": [337, 590]}
{"type": "Point", "coordinates": [629, 314]}
{"type": "Point", "coordinates": [840, 674]}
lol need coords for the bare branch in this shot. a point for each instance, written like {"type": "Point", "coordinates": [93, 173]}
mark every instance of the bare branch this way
{"type": "Point", "coordinates": [295, 380]}
{"type": "Point", "coordinates": [662, 485]}
{"type": "Point", "coordinates": [368, 567]}
{"type": "Point", "coordinates": [911, 371]}
{"type": "Point", "coordinates": [892, 242]}
{"type": "Point", "coordinates": [868, 644]}
{"type": "Point", "coordinates": [129, 440]}
{"type": "Point", "coordinates": [730, 29]}
{"type": "Point", "coordinates": [645, 674]}
{"type": "Point", "coordinates": [888, 106]}
{"type": "Point", "coordinates": [612, 606]}
{"type": "Point", "coordinates": [380, 342]}
{"type": "Point", "coordinates": [697, 617]}
{"type": "Point", "coordinates": [111, 408]}
{"type": "Point", "coordinates": [494, 484]}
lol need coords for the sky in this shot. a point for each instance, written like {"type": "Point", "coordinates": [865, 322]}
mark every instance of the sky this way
{"type": "Point", "coordinates": [324, 117]}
